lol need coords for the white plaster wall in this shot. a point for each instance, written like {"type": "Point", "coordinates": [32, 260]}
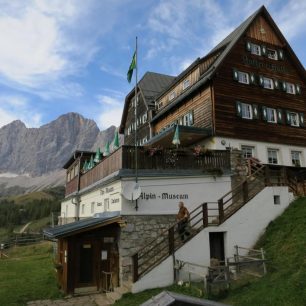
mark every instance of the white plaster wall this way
{"type": "Point", "coordinates": [160, 276]}
{"type": "Point", "coordinates": [261, 149]}
{"type": "Point", "coordinates": [191, 190]}
{"type": "Point", "coordinates": [106, 198]}
{"type": "Point", "coordinates": [68, 209]}
{"type": "Point", "coordinates": [242, 229]}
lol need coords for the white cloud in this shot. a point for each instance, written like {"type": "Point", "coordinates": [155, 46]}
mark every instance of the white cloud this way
{"type": "Point", "coordinates": [15, 107]}
{"type": "Point", "coordinates": [108, 117]}
{"type": "Point", "coordinates": [103, 99]}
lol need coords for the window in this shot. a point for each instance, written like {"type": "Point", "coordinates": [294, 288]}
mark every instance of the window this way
{"type": "Point", "coordinates": [186, 84]}
{"type": "Point", "coordinates": [171, 95]}
{"type": "Point", "coordinates": [159, 105]}
{"type": "Point", "coordinates": [271, 115]}
{"type": "Point", "coordinates": [255, 49]}
{"type": "Point", "coordinates": [247, 151]}
{"type": "Point", "coordinates": [92, 208]}
{"type": "Point", "coordinates": [246, 111]}
{"type": "Point", "coordinates": [272, 54]}
{"type": "Point", "coordinates": [187, 119]}
{"type": "Point", "coordinates": [268, 83]}
{"type": "Point", "coordinates": [296, 158]}
{"type": "Point", "coordinates": [243, 77]}
{"type": "Point", "coordinates": [144, 118]}
{"type": "Point", "coordinates": [290, 88]}
{"type": "Point", "coordinates": [106, 204]}
{"type": "Point", "coordinates": [145, 139]}
{"type": "Point", "coordinates": [276, 199]}
{"type": "Point", "coordinates": [273, 156]}
{"type": "Point", "coordinates": [294, 119]}
{"type": "Point", "coordinates": [83, 209]}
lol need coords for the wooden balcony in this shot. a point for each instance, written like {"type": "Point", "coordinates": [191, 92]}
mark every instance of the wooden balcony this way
{"type": "Point", "coordinates": [154, 160]}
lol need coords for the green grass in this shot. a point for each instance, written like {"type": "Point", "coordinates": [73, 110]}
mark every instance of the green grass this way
{"type": "Point", "coordinates": [29, 197]}
{"type": "Point", "coordinates": [285, 244]}
{"type": "Point", "coordinates": [38, 225]}
{"type": "Point", "coordinates": [27, 275]}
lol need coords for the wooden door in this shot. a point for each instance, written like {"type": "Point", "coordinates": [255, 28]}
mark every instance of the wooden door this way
{"type": "Point", "coordinates": [216, 243]}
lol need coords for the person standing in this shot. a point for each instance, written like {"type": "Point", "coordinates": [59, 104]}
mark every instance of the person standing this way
{"type": "Point", "coordinates": [183, 218]}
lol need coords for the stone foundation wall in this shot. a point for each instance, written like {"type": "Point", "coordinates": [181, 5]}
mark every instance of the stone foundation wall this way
{"type": "Point", "coordinates": [238, 167]}
{"type": "Point", "coordinates": [138, 231]}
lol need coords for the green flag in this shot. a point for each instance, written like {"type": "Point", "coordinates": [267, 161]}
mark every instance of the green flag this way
{"type": "Point", "coordinates": [106, 149]}
{"type": "Point", "coordinates": [131, 68]}
{"type": "Point", "coordinates": [98, 156]}
{"type": "Point", "coordinates": [85, 166]}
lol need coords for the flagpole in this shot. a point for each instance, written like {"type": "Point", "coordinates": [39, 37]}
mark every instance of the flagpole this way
{"type": "Point", "coordinates": [136, 102]}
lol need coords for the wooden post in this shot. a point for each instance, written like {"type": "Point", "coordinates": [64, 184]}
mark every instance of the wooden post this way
{"type": "Point", "coordinates": [236, 256]}
{"type": "Point", "coordinates": [205, 214]}
{"type": "Point", "coordinates": [263, 258]}
{"type": "Point", "coordinates": [135, 267]}
{"type": "Point", "coordinates": [171, 240]}
{"type": "Point", "coordinates": [221, 211]}
{"type": "Point", "coordinates": [245, 191]}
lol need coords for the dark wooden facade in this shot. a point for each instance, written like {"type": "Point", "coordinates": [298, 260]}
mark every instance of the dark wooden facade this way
{"type": "Point", "coordinates": [227, 91]}
{"type": "Point", "coordinates": [212, 94]}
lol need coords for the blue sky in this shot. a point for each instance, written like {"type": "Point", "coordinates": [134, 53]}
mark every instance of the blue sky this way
{"type": "Point", "coordinates": [59, 56]}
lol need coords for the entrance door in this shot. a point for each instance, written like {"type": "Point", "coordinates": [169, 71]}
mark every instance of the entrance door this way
{"type": "Point", "coordinates": [86, 263]}
{"type": "Point", "coordinates": [216, 243]}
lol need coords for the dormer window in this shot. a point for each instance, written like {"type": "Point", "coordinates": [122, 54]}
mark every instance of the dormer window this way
{"type": "Point", "coordinates": [186, 84]}
{"type": "Point", "coordinates": [159, 105]}
{"type": "Point", "coordinates": [255, 49]}
{"type": "Point", "coordinates": [172, 95]}
{"type": "Point", "coordinates": [272, 54]}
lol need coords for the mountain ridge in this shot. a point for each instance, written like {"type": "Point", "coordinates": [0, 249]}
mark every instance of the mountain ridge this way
{"type": "Point", "coordinates": [39, 152]}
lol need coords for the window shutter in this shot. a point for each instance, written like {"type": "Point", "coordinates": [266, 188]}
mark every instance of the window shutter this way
{"type": "Point", "coordinates": [263, 50]}
{"type": "Point", "coordinates": [248, 46]}
{"type": "Point", "coordinates": [264, 113]}
{"type": "Point", "coordinates": [284, 86]}
{"type": "Point", "coordinates": [279, 113]}
{"type": "Point", "coordinates": [276, 84]}
{"type": "Point", "coordinates": [301, 117]}
{"type": "Point", "coordinates": [261, 81]}
{"type": "Point", "coordinates": [238, 109]}
{"type": "Point", "coordinates": [280, 54]}
{"type": "Point", "coordinates": [288, 119]}
{"type": "Point", "coordinates": [255, 111]}
{"type": "Point", "coordinates": [252, 78]}
{"type": "Point", "coordinates": [235, 74]}
{"type": "Point", "coordinates": [298, 89]}
{"type": "Point", "coordinates": [191, 117]}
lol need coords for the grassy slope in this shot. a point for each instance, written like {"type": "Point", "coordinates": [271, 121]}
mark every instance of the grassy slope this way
{"type": "Point", "coordinates": [285, 246]}
{"type": "Point", "coordinates": [26, 198]}
{"type": "Point", "coordinates": [27, 275]}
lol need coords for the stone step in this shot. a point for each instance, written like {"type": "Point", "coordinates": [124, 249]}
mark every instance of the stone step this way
{"type": "Point", "coordinates": [113, 296]}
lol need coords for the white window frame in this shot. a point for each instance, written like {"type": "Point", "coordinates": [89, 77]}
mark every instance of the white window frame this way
{"type": "Point", "coordinates": [92, 207]}
{"type": "Point", "coordinates": [160, 105]}
{"type": "Point", "coordinates": [255, 49]}
{"type": "Point", "coordinates": [83, 209]}
{"type": "Point", "coordinates": [271, 115]}
{"type": "Point", "coordinates": [272, 54]}
{"type": "Point", "coordinates": [106, 204]}
{"type": "Point", "coordinates": [186, 84]}
{"type": "Point", "coordinates": [243, 77]}
{"type": "Point", "coordinates": [248, 151]}
{"type": "Point", "coordinates": [268, 83]}
{"type": "Point", "coordinates": [246, 111]}
{"type": "Point", "coordinates": [144, 118]}
{"type": "Point", "coordinates": [294, 119]}
{"type": "Point", "coordinates": [171, 95]}
{"type": "Point", "coordinates": [296, 161]}
{"type": "Point", "coordinates": [290, 88]}
{"type": "Point", "coordinates": [273, 160]}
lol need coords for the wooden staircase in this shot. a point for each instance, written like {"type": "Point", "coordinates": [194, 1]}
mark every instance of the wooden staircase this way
{"type": "Point", "coordinates": [207, 214]}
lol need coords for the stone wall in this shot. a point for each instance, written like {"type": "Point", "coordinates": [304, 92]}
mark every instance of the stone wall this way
{"type": "Point", "coordinates": [137, 232]}
{"type": "Point", "coordinates": [238, 167]}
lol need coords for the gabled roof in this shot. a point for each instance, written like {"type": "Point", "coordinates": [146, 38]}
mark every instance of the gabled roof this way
{"type": "Point", "coordinates": [150, 86]}
{"type": "Point", "coordinates": [224, 47]}
{"type": "Point", "coordinates": [73, 228]}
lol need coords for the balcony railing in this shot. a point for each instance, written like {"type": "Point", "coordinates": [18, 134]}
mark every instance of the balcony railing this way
{"type": "Point", "coordinates": [214, 161]}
